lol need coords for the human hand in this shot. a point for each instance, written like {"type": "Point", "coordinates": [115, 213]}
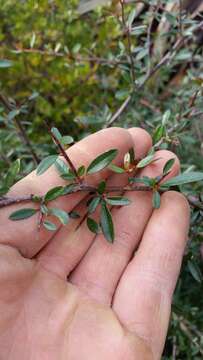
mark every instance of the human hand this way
{"type": "Point", "coordinates": [71, 296]}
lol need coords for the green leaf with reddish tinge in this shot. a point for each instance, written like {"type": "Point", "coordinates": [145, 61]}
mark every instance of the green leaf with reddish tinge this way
{"type": "Point", "coordinates": [22, 214]}
{"type": "Point", "coordinates": [102, 161]}
{"type": "Point", "coordinates": [107, 223]}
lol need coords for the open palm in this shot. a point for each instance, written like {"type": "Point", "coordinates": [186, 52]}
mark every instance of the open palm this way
{"type": "Point", "coordinates": [73, 296]}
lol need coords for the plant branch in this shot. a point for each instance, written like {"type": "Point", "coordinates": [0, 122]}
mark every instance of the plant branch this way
{"type": "Point", "coordinates": [64, 154]}
{"type": "Point", "coordinates": [21, 128]}
{"type": "Point", "coordinates": [6, 201]}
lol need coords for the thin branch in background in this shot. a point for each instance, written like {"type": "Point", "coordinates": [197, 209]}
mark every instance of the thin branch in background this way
{"type": "Point", "coordinates": [127, 32]}
{"type": "Point", "coordinates": [166, 58]}
{"type": "Point", "coordinates": [21, 129]}
{"type": "Point", "coordinates": [154, 10]}
{"type": "Point", "coordinates": [119, 111]}
{"type": "Point", "coordinates": [70, 56]}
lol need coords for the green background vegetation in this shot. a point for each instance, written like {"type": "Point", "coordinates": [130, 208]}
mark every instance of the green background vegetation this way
{"type": "Point", "coordinates": [75, 72]}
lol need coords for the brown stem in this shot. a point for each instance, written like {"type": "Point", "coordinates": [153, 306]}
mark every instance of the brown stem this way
{"type": "Point", "coordinates": [6, 201]}
{"type": "Point", "coordinates": [66, 157]}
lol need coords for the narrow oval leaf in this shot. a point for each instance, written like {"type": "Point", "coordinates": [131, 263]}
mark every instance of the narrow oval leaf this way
{"type": "Point", "coordinates": [46, 164]}
{"type": "Point", "coordinates": [168, 166]}
{"type": "Point", "coordinates": [61, 167]}
{"type": "Point", "coordinates": [56, 133]}
{"type": "Point", "coordinates": [22, 214]}
{"type": "Point", "coordinates": [93, 204]}
{"type": "Point", "coordinates": [107, 223]}
{"type": "Point", "coordinates": [54, 193]}
{"type": "Point", "coordinates": [102, 161]}
{"type": "Point", "coordinates": [118, 201]}
{"type": "Point", "coordinates": [61, 215]}
{"type": "Point", "coordinates": [146, 161]}
{"type": "Point", "coordinates": [116, 169]}
{"type": "Point", "coordinates": [156, 200]}
{"type": "Point", "coordinates": [67, 140]}
{"type": "Point", "coordinates": [93, 226]}
{"type": "Point", "coordinates": [184, 179]}
{"type": "Point", "coordinates": [81, 170]}
{"type": "Point", "coordinates": [49, 225]}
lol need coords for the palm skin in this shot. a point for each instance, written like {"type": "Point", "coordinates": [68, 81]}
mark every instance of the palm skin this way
{"type": "Point", "coordinates": [111, 307]}
{"type": "Point", "coordinates": [48, 318]}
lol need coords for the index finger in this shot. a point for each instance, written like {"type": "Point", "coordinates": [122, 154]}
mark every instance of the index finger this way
{"type": "Point", "coordinates": [22, 234]}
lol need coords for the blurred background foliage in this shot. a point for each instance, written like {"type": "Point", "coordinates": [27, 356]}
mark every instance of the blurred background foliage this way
{"type": "Point", "coordinates": [78, 72]}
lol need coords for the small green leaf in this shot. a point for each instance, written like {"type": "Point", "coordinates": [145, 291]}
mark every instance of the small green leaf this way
{"type": "Point", "coordinates": [102, 161]}
{"type": "Point", "coordinates": [61, 167]}
{"type": "Point", "coordinates": [81, 170]}
{"type": "Point", "coordinates": [131, 17]}
{"type": "Point", "coordinates": [56, 133]}
{"type": "Point", "coordinates": [166, 117]}
{"type": "Point", "coordinates": [117, 201]}
{"type": "Point", "coordinates": [101, 187]}
{"type": "Point", "coordinates": [46, 164]}
{"type": "Point", "coordinates": [93, 226]}
{"type": "Point", "coordinates": [146, 161]}
{"type": "Point", "coordinates": [93, 204]}
{"type": "Point", "coordinates": [44, 209]}
{"type": "Point", "coordinates": [156, 200]}
{"type": "Point", "coordinates": [5, 63]}
{"type": "Point", "coordinates": [185, 178]}
{"type": "Point", "coordinates": [67, 140]}
{"type": "Point", "coordinates": [107, 223]}
{"type": "Point", "coordinates": [22, 214]}
{"type": "Point", "coordinates": [49, 225]}
{"type": "Point", "coordinates": [168, 166]}
{"type": "Point", "coordinates": [159, 133]}
{"type": "Point", "coordinates": [195, 271]}
{"type": "Point", "coordinates": [61, 215]}
{"type": "Point", "coordinates": [54, 193]}
{"type": "Point", "coordinates": [116, 169]}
